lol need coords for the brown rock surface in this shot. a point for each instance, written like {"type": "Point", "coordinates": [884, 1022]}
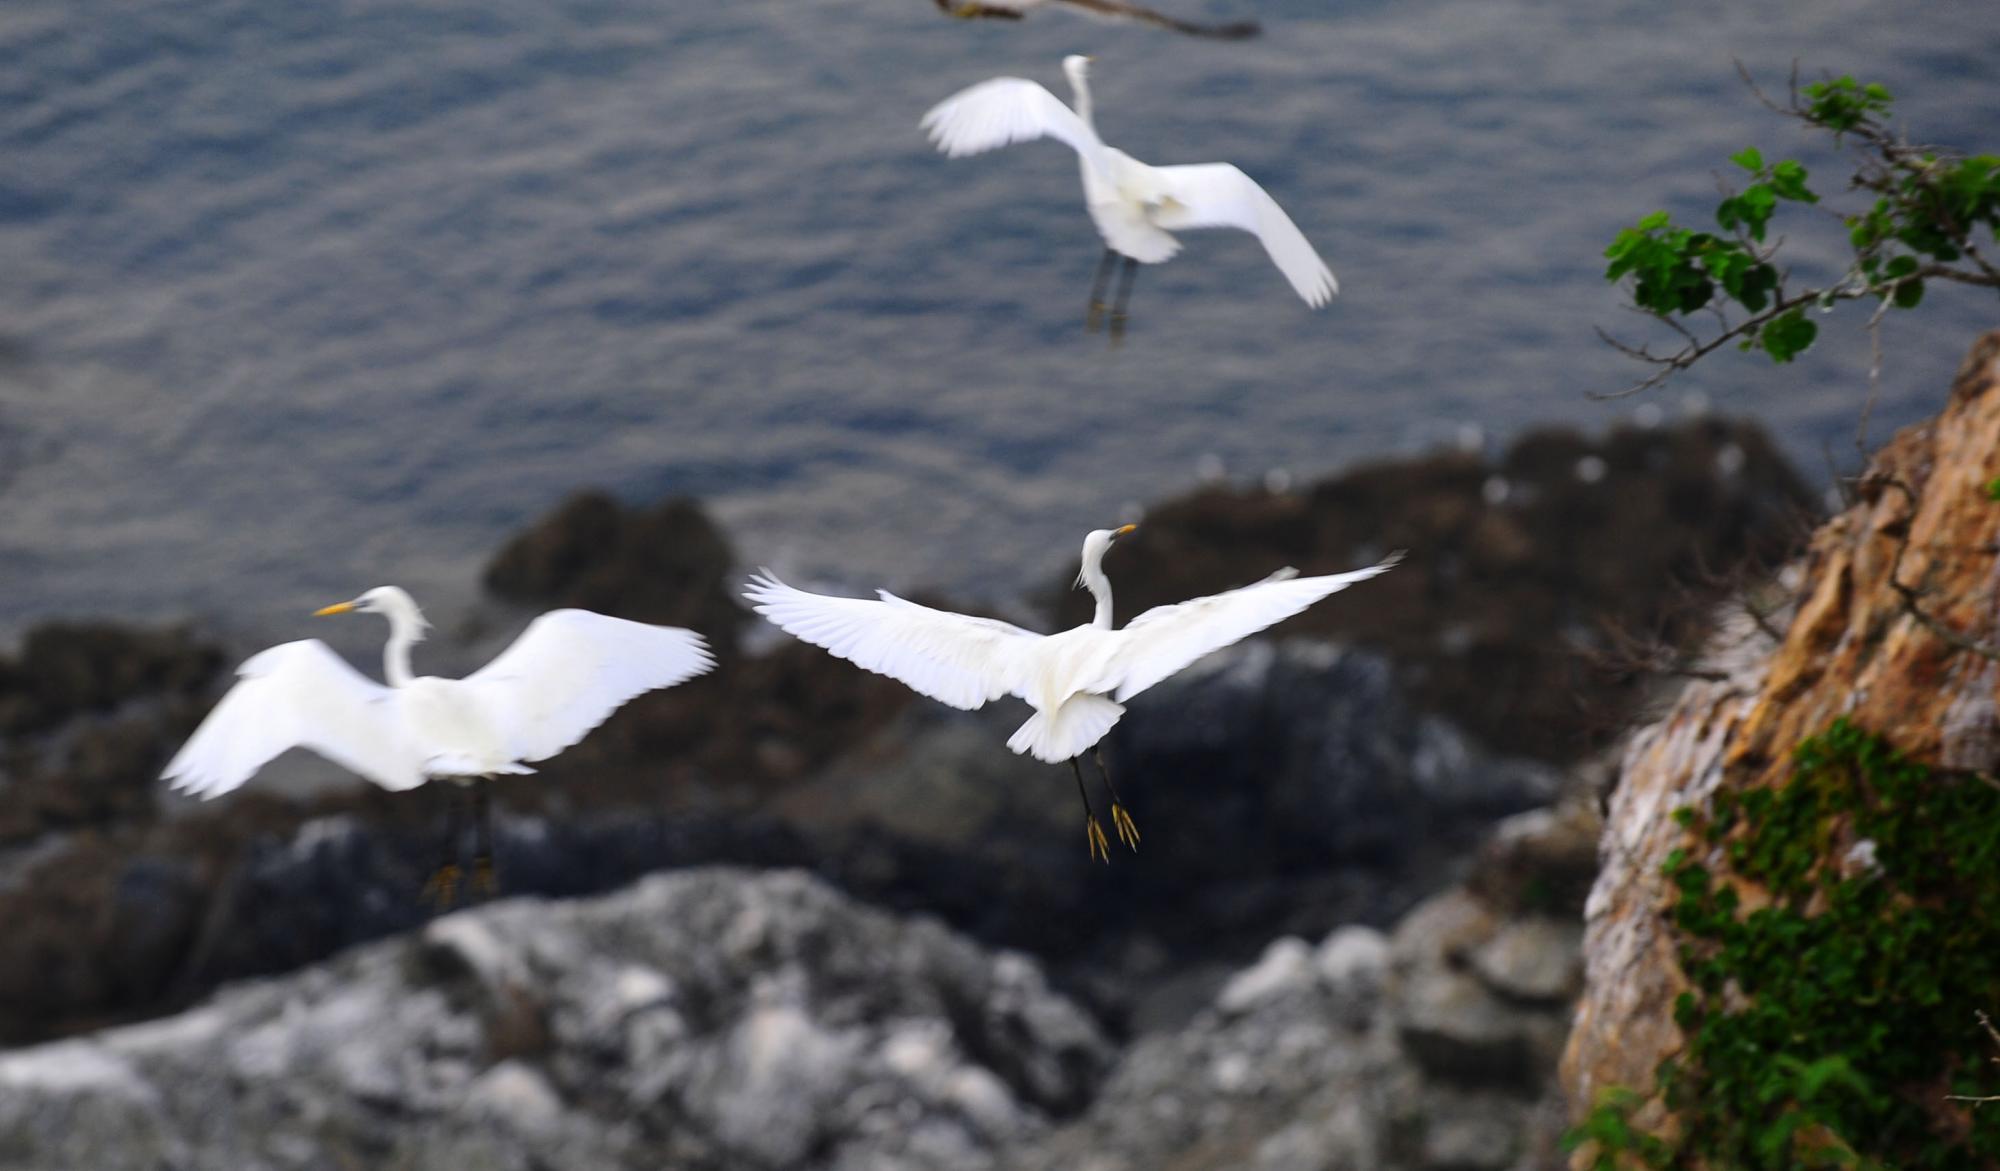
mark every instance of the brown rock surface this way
{"type": "Point", "coordinates": [1854, 647]}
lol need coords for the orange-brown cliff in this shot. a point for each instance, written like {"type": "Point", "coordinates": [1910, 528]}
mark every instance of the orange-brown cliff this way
{"type": "Point", "coordinates": [1914, 664]}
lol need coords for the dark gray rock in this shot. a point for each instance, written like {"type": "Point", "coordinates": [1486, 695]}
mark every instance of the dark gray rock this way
{"type": "Point", "coordinates": [1297, 753]}
{"type": "Point", "coordinates": [1281, 788]}
{"type": "Point", "coordinates": [1455, 1022]}
{"type": "Point", "coordinates": [1306, 1061]}
{"type": "Point", "coordinates": [1274, 1076]}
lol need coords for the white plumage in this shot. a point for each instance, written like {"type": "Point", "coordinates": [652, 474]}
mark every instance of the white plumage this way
{"type": "Point", "coordinates": [1135, 206]}
{"type": "Point", "coordinates": [567, 672]}
{"type": "Point", "coordinates": [1077, 681]}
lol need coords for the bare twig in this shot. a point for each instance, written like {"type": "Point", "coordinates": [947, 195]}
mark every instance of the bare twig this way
{"type": "Point", "coordinates": [1874, 377]}
{"type": "Point", "coordinates": [1993, 1035]}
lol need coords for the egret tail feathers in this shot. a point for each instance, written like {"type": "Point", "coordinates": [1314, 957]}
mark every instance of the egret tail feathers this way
{"type": "Point", "coordinates": [1056, 736]}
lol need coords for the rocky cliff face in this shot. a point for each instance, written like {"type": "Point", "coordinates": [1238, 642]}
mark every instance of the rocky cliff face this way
{"type": "Point", "coordinates": [1892, 621]}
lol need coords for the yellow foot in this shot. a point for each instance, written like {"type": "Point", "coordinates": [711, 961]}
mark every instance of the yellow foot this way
{"type": "Point", "coordinates": [1094, 318]}
{"type": "Point", "coordinates": [485, 882]}
{"type": "Point", "coordinates": [1117, 328]}
{"type": "Point", "coordinates": [442, 890]}
{"type": "Point", "coordinates": [1122, 822]}
{"type": "Point", "coordinates": [1093, 832]}
{"type": "Point", "coordinates": [966, 11]}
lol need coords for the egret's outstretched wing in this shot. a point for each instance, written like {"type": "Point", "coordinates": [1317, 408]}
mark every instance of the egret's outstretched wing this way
{"type": "Point", "coordinates": [1119, 10]}
{"type": "Point", "coordinates": [571, 669]}
{"type": "Point", "coordinates": [1007, 110]}
{"type": "Point", "coordinates": [299, 695]}
{"type": "Point", "coordinates": [1217, 195]}
{"type": "Point", "coordinates": [953, 658]}
{"type": "Point", "coordinates": [1167, 638]}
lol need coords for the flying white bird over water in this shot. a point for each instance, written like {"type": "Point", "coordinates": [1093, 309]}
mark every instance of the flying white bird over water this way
{"type": "Point", "coordinates": [1136, 207]}
{"type": "Point", "coordinates": [1077, 681]}
{"type": "Point", "coordinates": [1103, 9]}
{"type": "Point", "coordinates": [562, 677]}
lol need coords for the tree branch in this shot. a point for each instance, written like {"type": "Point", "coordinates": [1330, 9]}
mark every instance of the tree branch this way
{"type": "Point", "coordinates": [1696, 349]}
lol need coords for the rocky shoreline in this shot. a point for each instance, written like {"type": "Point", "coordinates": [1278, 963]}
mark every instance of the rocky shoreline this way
{"type": "Point", "coordinates": [725, 1018]}
{"type": "Point", "coordinates": [1319, 790]}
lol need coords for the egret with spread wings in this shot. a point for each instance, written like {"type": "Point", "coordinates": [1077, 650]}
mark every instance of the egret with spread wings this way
{"type": "Point", "coordinates": [562, 677]}
{"type": "Point", "coordinates": [1136, 207]}
{"type": "Point", "coordinates": [1077, 681]}
{"type": "Point", "coordinates": [1103, 9]}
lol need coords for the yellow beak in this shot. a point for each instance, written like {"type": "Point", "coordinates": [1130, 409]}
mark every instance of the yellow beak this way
{"type": "Point", "coordinates": [336, 608]}
{"type": "Point", "coordinates": [1127, 529]}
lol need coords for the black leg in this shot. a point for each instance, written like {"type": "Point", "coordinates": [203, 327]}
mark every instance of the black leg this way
{"type": "Point", "coordinates": [1093, 833]}
{"type": "Point", "coordinates": [483, 880]}
{"type": "Point", "coordinates": [1097, 754]}
{"type": "Point", "coordinates": [442, 889]}
{"type": "Point", "coordinates": [1126, 278]}
{"type": "Point", "coordinates": [1095, 314]}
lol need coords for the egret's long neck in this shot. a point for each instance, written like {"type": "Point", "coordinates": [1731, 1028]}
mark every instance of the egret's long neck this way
{"type": "Point", "coordinates": [1081, 89]}
{"type": "Point", "coordinates": [405, 631]}
{"type": "Point", "coordinates": [1100, 589]}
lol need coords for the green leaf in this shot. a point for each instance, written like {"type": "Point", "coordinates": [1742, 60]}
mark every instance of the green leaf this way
{"type": "Point", "coordinates": [1788, 335]}
{"type": "Point", "coordinates": [1909, 294]}
{"type": "Point", "coordinates": [1788, 180]}
{"type": "Point", "coordinates": [1749, 158]}
{"type": "Point", "coordinates": [1654, 222]}
{"type": "Point", "coordinates": [1993, 489]}
{"type": "Point", "coordinates": [1751, 208]}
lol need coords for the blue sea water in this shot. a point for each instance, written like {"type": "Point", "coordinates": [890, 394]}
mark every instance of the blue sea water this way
{"type": "Point", "coordinates": [300, 298]}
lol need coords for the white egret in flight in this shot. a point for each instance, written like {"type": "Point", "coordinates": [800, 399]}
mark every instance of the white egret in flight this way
{"type": "Point", "coordinates": [1136, 207]}
{"type": "Point", "coordinates": [1077, 681]}
{"type": "Point", "coordinates": [1105, 9]}
{"type": "Point", "coordinates": [562, 677]}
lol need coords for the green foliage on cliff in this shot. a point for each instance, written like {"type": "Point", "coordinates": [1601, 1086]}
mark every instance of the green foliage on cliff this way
{"type": "Point", "coordinates": [1830, 1026]}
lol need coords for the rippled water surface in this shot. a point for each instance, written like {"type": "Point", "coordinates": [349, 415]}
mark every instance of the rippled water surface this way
{"type": "Point", "coordinates": [298, 298]}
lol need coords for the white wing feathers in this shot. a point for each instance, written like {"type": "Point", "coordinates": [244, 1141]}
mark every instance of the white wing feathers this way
{"type": "Point", "coordinates": [1167, 638]}
{"type": "Point", "coordinates": [571, 669]}
{"type": "Point", "coordinates": [1217, 195]}
{"type": "Point", "coordinates": [298, 695]}
{"type": "Point", "coordinates": [1007, 110]}
{"type": "Point", "coordinates": [953, 658]}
